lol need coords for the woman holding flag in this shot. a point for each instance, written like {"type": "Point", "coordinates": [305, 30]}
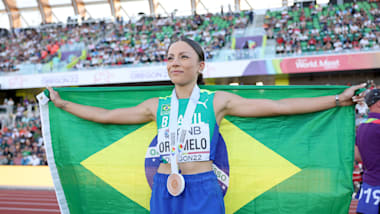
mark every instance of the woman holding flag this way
{"type": "Point", "coordinates": [188, 126]}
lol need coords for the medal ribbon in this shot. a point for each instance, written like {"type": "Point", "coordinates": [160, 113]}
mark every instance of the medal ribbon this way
{"type": "Point", "coordinates": [175, 140]}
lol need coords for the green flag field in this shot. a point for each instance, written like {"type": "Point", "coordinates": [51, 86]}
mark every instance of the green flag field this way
{"type": "Point", "coordinates": [272, 165]}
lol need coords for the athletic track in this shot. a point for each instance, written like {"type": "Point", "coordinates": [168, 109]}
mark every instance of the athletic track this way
{"type": "Point", "coordinates": [45, 202]}
{"type": "Point", "coordinates": [28, 202]}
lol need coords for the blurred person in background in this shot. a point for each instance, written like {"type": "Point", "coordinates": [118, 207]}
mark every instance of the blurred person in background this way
{"type": "Point", "coordinates": [3, 160]}
{"type": "Point", "coordinates": [35, 161]}
{"type": "Point", "coordinates": [361, 110]}
{"type": "Point", "coordinates": [19, 112]}
{"type": "Point", "coordinates": [18, 159]}
{"type": "Point", "coordinates": [357, 177]}
{"type": "Point", "coordinates": [367, 149]}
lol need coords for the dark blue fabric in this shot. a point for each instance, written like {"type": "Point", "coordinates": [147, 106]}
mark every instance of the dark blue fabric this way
{"type": "Point", "coordinates": [369, 199]}
{"type": "Point", "coordinates": [216, 137]}
{"type": "Point", "coordinates": [202, 195]}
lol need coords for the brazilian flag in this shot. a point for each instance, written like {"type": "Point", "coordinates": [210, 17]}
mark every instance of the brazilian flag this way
{"type": "Point", "coordinates": [285, 164]}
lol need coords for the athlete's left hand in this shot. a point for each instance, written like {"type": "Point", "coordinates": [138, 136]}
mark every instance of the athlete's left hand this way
{"type": "Point", "coordinates": [348, 97]}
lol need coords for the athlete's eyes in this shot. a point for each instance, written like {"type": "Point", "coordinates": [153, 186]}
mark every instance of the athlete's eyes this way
{"type": "Point", "coordinates": [170, 58]}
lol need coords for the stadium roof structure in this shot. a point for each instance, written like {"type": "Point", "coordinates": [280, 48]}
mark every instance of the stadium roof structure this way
{"type": "Point", "coordinates": [27, 13]}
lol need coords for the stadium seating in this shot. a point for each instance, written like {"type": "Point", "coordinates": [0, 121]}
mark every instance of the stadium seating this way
{"type": "Point", "coordinates": [107, 43]}
{"type": "Point", "coordinates": [329, 28]}
{"type": "Point", "coordinates": [21, 141]}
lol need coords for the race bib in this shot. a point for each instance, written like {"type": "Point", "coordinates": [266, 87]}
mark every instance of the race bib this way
{"type": "Point", "coordinates": [369, 199]}
{"type": "Point", "coordinates": [196, 146]}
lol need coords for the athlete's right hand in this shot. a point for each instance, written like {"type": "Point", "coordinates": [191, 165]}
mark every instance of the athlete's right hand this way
{"type": "Point", "coordinates": [55, 98]}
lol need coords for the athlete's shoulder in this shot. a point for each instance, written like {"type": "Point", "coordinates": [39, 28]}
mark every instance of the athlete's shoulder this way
{"type": "Point", "coordinates": [223, 95]}
{"type": "Point", "coordinates": [222, 98]}
{"type": "Point", "coordinates": [151, 103]}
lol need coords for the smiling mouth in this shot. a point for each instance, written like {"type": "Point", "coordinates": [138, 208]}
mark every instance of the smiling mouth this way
{"type": "Point", "coordinates": [176, 72]}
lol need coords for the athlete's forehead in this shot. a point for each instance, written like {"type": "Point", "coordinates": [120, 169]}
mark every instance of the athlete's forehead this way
{"type": "Point", "coordinates": [180, 47]}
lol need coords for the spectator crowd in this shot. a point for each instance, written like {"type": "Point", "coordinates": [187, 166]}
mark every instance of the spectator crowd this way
{"type": "Point", "coordinates": [116, 43]}
{"type": "Point", "coordinates": [332, 28]}
{"type": "Point", "coordinates": [348, 26]}
{"type": "Point", "coordinates": [21, 141]}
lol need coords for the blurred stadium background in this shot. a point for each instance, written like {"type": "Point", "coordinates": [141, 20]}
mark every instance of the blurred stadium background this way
{"type": "Point", "coordinates": [122, 43]}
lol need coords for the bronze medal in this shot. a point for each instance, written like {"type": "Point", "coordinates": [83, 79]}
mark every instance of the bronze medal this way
{"type": "Point", "coordinates": [175, 184]}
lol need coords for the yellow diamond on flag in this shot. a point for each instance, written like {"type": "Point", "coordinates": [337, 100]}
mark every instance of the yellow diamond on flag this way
{"type": "Point", "coordinates": [121, 164]}
{"type": "Point", "coordinates": [254, 168]}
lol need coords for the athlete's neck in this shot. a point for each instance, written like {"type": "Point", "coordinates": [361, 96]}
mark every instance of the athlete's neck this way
{"type": "Point", "coordinates": [184, 91]}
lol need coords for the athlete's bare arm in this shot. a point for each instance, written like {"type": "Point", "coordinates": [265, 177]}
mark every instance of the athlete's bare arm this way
{"type": "Point", "coordinates": [144, 112]}
{"type": "Point", "coordinates": [231, 104]}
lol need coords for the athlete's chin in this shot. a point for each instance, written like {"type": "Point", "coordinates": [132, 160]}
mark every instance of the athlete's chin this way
{"type": "Point", "coordinates": [178, 81]}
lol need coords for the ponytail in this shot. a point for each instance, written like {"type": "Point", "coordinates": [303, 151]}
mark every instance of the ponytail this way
{"type": "Point", "coordinates": [200, 80]}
